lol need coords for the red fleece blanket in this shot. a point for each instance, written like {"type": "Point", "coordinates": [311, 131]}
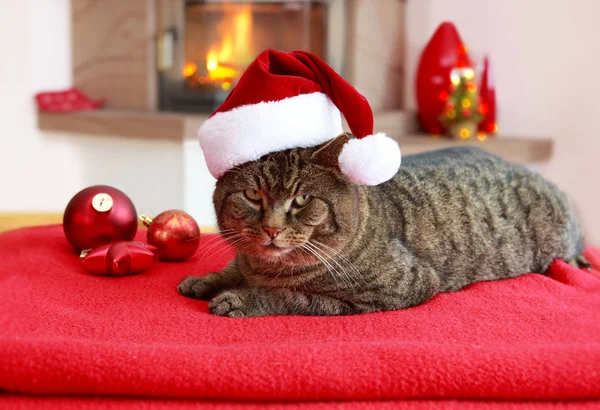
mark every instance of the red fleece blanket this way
{"type": "Point", "coordinates": [66, 332]}
{"type": "Point", "coordinates": [108, 403]}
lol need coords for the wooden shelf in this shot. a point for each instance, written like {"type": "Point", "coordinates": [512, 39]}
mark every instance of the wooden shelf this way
{"type": "Point", "coordinates": [514, 149]}
{"type": "Point", "coordinates": [170, 126]}
{"type": "Point", "coordinates": [173, 126]}
{"type": "Point", "coordinates": [150, 125]}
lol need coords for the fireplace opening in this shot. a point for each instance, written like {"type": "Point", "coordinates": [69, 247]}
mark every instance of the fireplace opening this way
{"type": "Point", "coordinates": [216, 40]}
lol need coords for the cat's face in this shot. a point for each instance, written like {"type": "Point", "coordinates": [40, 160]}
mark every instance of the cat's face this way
{"type": "Point", "coordinates": [286, 204]}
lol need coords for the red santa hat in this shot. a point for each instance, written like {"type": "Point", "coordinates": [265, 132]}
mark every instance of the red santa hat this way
{"type": "Point", "coordinates": [293, 100]}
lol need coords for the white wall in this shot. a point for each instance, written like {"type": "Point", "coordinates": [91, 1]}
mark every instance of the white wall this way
{"type": "Point", "coordinates": [545, 56]}
{"type": "Point", "coordinates": [198, 185]}
{"type": "Point", "coordinates": [42, 171]}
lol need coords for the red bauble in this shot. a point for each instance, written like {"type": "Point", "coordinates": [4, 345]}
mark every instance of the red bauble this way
{"type": "Point", "coordinates": [175, 234]}
{"type": "Point", "coordinates": [119, 259]}
{"type": "Point", "coordinates": [99, 215]}
{"type": "Point", "coordinates": [487, 95]}
{"type": "Point", "coordinates": [444, 52]}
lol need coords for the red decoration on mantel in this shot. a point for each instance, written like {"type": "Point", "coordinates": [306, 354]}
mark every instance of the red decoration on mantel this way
{"type": "Point", "coordinates": [444, 52]}
{"type": "Point", "coordinates": [487, 95]}
{"type": "Point", "coordinates": [71, 100]}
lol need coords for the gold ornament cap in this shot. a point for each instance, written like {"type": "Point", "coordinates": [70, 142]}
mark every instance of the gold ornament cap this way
{"type": "Point", "coordinates": [146, 220]}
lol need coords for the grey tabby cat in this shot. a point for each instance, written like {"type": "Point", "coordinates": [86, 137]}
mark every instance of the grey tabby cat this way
{"type": "Point", "coordinates": [310, 242]}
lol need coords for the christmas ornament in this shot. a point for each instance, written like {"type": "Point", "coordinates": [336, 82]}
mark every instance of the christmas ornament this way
{"type": "Point", "coordinates": [70, 100]}
{"type": "Point", "coordinates": [119, 259]}
{"type": "Point", "coordinates": [487, 95]}
{"type": "Point", "coordinates": [461, 114]}
{"type": "Point", "coordinates": [99, 215]}
{"type": "Point", "coordinates": [175, 234]}
{"type": "Point", "coordinates": [443, 53]}
{"type": "Point", "coordinates": [285, 100]}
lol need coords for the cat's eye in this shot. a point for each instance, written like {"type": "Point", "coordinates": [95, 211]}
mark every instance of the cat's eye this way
{"type": "Point", "coordinates": [302, 200]}
{"type": "Point", "coordinates": [253, 195]}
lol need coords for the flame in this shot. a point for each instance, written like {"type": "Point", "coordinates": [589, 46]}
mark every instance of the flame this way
{"type": "Point", "coordinates": [189, 70]}
{"type": "Point", "coordinates": [219, 71]}
{"type": "Point", "coordinates": [226, 60]}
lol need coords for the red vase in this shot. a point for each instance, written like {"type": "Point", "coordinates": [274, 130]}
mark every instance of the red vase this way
{"type": "Point", "coordinates": [487, 98]}
{"type": "Point", "coordinates": [444, 52]}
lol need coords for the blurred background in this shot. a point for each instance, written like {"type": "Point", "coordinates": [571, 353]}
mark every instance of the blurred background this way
{"type": "Point", "coordinates": [125, 84]}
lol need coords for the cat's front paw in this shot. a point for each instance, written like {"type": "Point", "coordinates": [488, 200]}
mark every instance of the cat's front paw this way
{"type": "Point", "coordinates": [197, 287]}
{"type": "Point", "coordinates": [230, 303]}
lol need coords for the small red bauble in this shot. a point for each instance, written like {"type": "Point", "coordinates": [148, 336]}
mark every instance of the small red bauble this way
{"type": "Point", "coordinates": [175, 234]}
{"type": "Point", "coordinates": [119, 259]}
{"type": "Point", "coordinates": [99, 215]}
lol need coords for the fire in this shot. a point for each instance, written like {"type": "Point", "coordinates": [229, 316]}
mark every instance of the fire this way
{"type": "Point", "coordinates": [218, 71]}
{"type": "Point", "coordinates": [189, 70]}
{"type": "Point", "coordinates": [225, 61]}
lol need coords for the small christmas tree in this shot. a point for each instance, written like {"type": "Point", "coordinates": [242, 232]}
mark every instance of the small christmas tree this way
{"type": "Point", "coordinates": [462, 114]}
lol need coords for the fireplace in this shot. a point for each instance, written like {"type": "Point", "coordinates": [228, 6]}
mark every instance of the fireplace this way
{"type": "Point", "coordinates": [208, 44]}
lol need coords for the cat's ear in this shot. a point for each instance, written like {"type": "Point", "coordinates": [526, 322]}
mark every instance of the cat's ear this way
{"type": "Point", "coordinates": [327, 153]}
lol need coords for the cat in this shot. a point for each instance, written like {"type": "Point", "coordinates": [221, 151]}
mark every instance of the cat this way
{"type": "Point", "coordinates": [310, 242]}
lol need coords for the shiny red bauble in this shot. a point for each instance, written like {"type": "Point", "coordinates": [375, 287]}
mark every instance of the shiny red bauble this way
{"type": "Point", "coordinates": [174, 233]}
{"type": "Point", "coordinates": [97, 216]}
{"type": "Point", "coordinates": [119, 259]}
{"type": "Point", "coordinates": [487, 95]}
{"type": "Point", "coordinates": [444, 52]}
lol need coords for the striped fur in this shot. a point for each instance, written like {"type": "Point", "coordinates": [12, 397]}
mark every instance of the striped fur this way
{"type": "Point", "coordinates": [449, 218]}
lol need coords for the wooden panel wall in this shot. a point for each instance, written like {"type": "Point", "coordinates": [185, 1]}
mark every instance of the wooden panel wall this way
{"type": "Point", "coordinates": [113, 51]}
{"type": "Point", "coordinates": [375, 44]}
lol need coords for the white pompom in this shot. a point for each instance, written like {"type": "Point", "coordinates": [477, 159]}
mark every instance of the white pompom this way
{"type": "Point", "coordinates": [370, 160]}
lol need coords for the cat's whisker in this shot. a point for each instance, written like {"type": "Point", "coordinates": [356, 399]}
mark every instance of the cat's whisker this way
{"type": "Point", "coordinates": [232, 236]}
{"type": "Point", "coordinates": [216, 239]}
{"type": "Point", "coordinates": [211, 241]}
{"type": "Point", "coordinates": [301, 249]}
{"type": "Point", "coordinates": [221, 251]}
{"type": "Point", "coordinates": [219, 240]}
{"type": "Point", "coordinates": [342, 271]}
{"type": "Point", "coordinates": [339, 255]}
{"type": "Point", "coordinates": [226, 232]}
{"type": "Point", "coordinates": [216, 242]}
{"type": "Point", "coordinates": [342, 257]}
{"type": "Point", "coordinates": [324, 263]}
{"type": "Point", "coordinates": [320, 253]}
{"type": "Point", "coordinates": [217, 251]}
{"type": "Point", "coordinates": [199, 236]}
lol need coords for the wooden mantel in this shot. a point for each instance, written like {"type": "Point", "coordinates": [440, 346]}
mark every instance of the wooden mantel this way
{"type": "Point", "coordinates": [174, 126]}
{"type": "Point", "coordinates": [122, 123]}
{"type": "Point", "coordinates": [171, 126]}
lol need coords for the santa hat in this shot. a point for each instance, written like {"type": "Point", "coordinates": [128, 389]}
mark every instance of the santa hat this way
{"type": "Point", "coordinates": [293, 100]}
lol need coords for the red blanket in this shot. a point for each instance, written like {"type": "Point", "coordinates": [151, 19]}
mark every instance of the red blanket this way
{"type": "Point", "coordinates": [110, 403]}
{"type": "Point", "coordinates": [63, 331]}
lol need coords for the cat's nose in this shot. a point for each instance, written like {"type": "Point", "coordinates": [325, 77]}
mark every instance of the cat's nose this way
{"type": "Point", "coordinates": [272, 232]}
